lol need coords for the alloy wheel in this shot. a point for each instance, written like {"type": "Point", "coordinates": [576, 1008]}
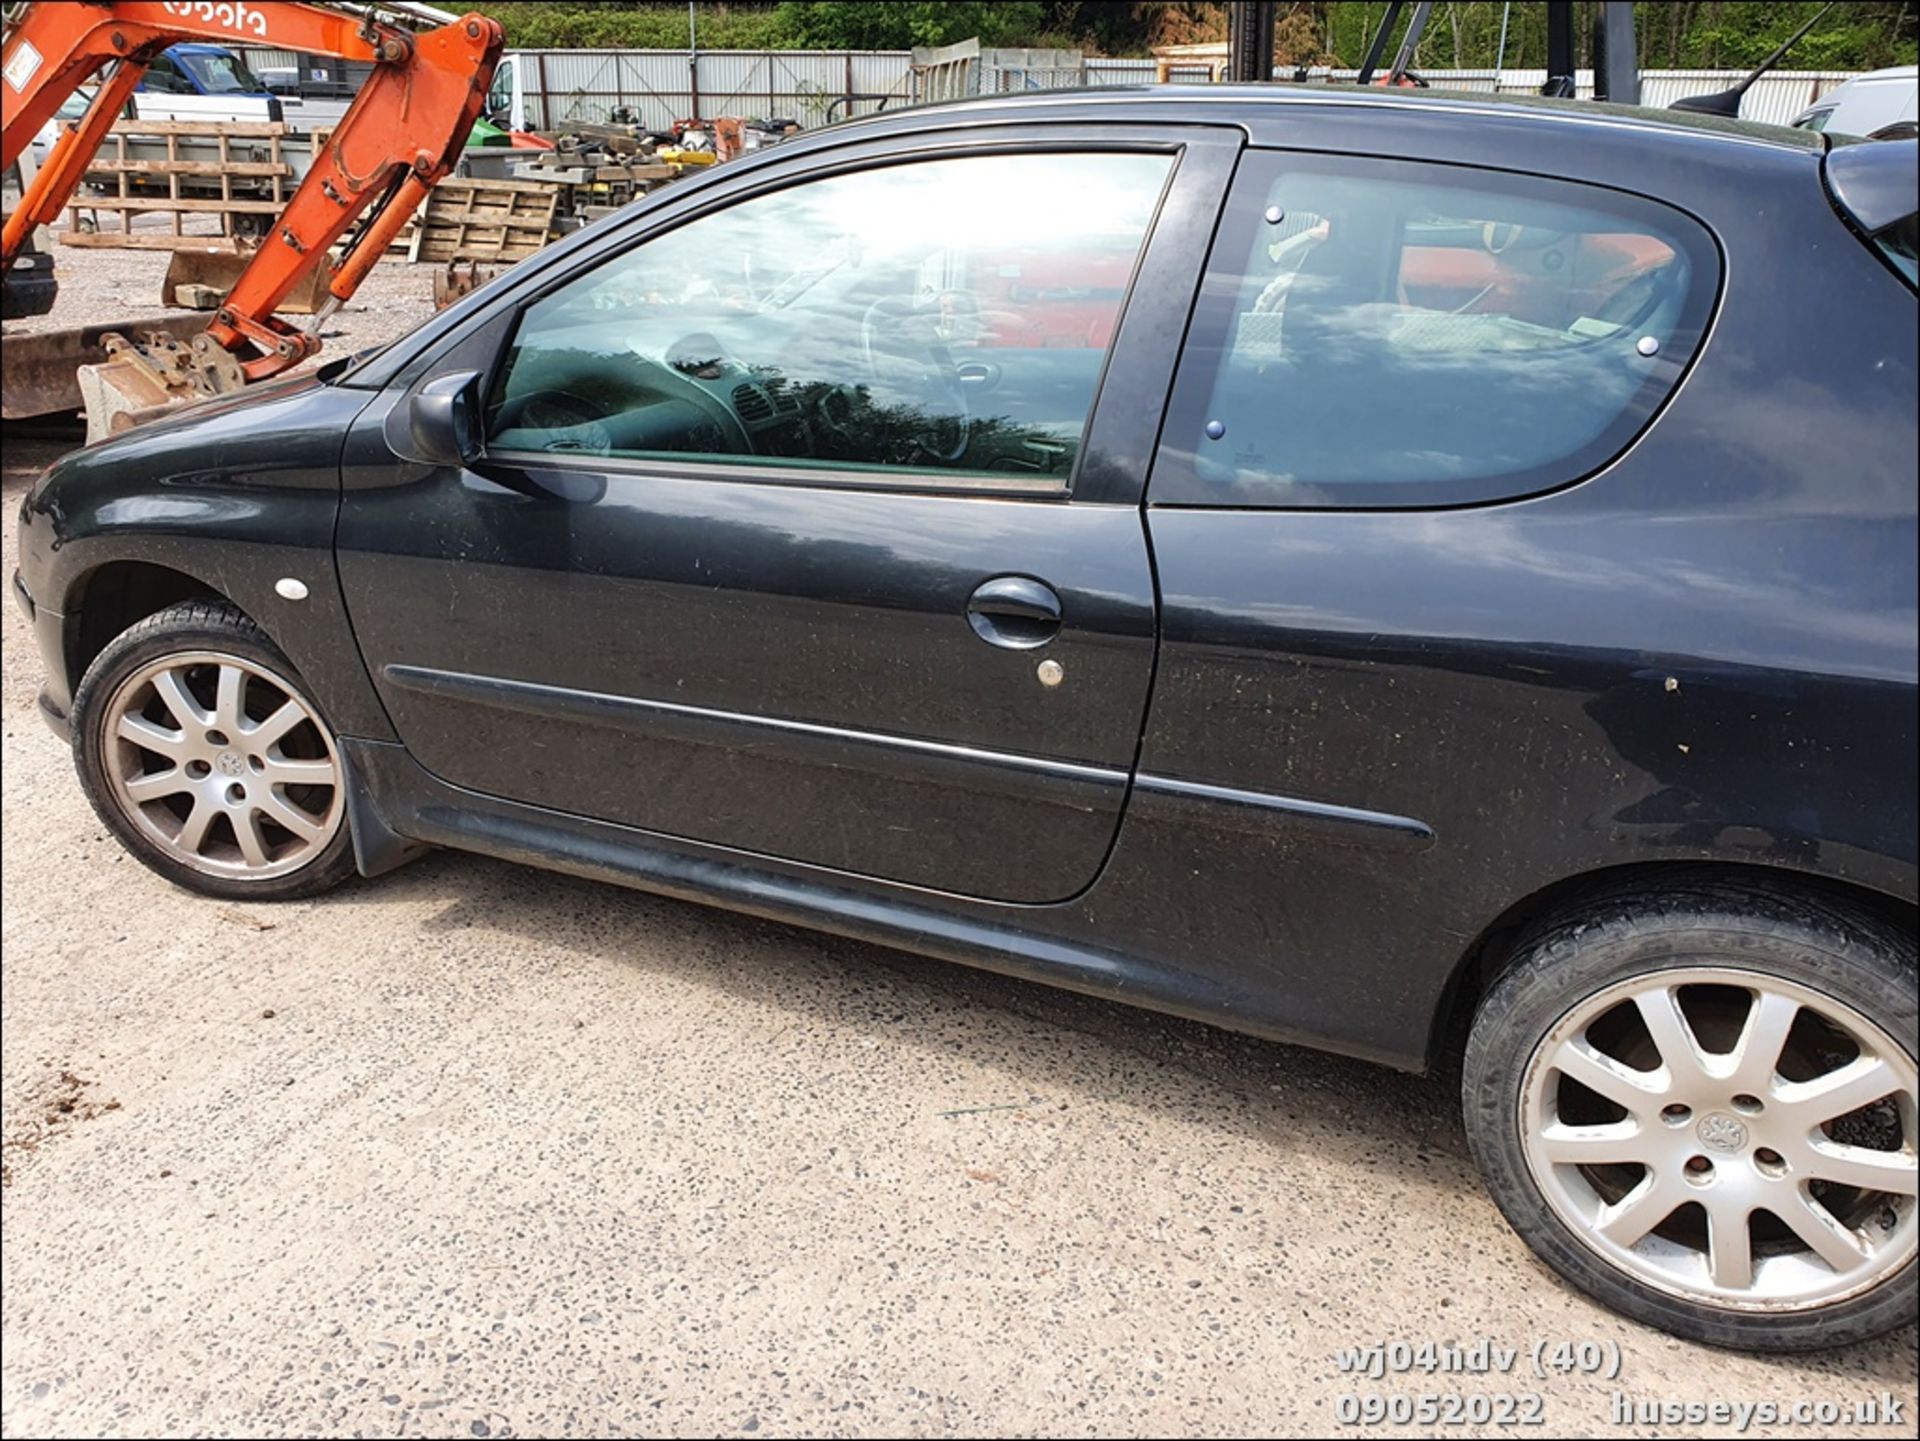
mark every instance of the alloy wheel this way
{"type": "Point", "coordinates": [1728, 1136]}
{"type": "Point", "coordinates": [223, 765]}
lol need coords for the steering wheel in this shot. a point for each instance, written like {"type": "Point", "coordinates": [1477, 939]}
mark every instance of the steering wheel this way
{"type": "Point", "coordinates": [949, 431]}
{"type": "Point", "coordinates": [555, 410]}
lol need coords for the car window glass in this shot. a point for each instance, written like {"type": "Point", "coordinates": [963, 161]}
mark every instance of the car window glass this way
{"type": "Point", "coordinates": [944, 317]}
{"type": "Point", "coordinates": [1384, 333]}
{"type": "Point", "coordinates": [222, 74]}
{"type": "Point", "coordinates": [163, 74]}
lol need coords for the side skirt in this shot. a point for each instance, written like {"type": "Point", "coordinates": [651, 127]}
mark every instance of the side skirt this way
{"type": "Point", "coordinates": [397, 807]}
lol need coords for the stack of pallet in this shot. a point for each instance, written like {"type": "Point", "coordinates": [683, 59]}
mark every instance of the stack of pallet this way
{"type": "Point", "coordinates": [241, 174]}
{"type": "Point", "coordinates": [494, 221]}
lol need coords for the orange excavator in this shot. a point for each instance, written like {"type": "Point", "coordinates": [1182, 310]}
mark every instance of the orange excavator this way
{"type": "Point", "coordinates": [403, 132]}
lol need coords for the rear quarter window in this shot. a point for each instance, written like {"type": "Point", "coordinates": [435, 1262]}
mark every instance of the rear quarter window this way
{"type": "Point", "coordinates": [1381, 333]}
{"type": "Point", "coordinates": [1899, 243]}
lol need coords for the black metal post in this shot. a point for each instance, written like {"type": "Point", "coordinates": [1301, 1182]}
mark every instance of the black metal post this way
{"type": "Point", "coordinates": [1616, 64]}
{"type": "Point", "coordinates": [1561, 79]}
{"type": "Point", "coordinates": [1377, 46]}
{"type": "Point", "coordinates": [1410, 42]}
{"type": "Point", "coordinates": [1250, 40]}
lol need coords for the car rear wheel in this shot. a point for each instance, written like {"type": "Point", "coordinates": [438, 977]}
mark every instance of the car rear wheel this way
{"type": "Point", "coordinates": [198, 745]}
{"type": "Point", "coordinates": [1700, 1107]}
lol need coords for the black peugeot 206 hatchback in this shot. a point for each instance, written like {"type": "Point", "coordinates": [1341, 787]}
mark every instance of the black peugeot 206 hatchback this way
{"type": "Point", "coordinates": [1370, 571]}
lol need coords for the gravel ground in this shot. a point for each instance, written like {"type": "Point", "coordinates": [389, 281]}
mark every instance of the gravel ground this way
{"type": "Point", "coordinates": [471, 1150]}
{"type": "Point", "coordinates": [101, 285]}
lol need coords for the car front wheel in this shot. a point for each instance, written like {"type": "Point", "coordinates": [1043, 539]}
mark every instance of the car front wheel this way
{"type": "Point", "coordinates": [200, 748]}
{"type": "Point", "coordinates": [1699, 1107]}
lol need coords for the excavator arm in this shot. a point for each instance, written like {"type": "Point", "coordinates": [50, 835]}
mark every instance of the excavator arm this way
{"type": "Point", "coordinates": [403, 132]}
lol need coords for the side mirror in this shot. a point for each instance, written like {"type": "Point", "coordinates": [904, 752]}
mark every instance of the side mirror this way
{"type": "Point", "coordinates": [440, 422]}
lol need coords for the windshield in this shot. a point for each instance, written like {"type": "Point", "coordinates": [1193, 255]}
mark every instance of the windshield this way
{"type": "Point", "coordinates": [222, 74]}
{"type": "Point", "coordinates": [500, 93]}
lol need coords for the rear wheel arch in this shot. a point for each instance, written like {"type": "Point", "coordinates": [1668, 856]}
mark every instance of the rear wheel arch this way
{"type": "Point", "coordinates": [1489, 954]}
{"type": "Point", "coordinates": [1695, 1102]}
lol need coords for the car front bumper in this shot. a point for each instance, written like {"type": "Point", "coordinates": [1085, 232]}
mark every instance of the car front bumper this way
{"type": "Point", "coordinates": [49, 634]}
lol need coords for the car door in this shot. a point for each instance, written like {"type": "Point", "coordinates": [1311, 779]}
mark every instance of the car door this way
{"type": "Point", "coordinates": [807, 523]}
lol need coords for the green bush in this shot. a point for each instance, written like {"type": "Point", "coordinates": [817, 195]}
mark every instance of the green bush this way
{"type": "Point", "coordinates": [902, 24]}
{"type": "Point", "coordinates": [1725, 34]}
{"type": "Point", "coordinates": [541, 26]}
{"type": "Point", "coordinates": [792, 25]}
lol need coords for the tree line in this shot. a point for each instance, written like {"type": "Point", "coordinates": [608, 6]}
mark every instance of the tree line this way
{"type": "Point", "coordinates": [1475, 34]}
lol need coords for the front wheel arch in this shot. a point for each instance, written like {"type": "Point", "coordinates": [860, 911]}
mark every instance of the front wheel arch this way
{"type": "Point", "coordinates": [112, 598]}
{"type": "Point", "coordinates": [106, 585]}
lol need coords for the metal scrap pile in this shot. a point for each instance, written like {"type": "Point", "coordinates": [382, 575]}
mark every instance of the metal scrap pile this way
{"type": "Point", "coordinates": [591, 171]}
{"type": "Point", "coordinates": [595, 169]}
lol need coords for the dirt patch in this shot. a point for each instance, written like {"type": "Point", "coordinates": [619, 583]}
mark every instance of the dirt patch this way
{"type": "Point", "coordinates": [51, 1107]}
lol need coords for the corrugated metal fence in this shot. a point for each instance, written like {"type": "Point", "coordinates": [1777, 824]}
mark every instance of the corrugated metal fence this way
{"type": "Point", "coordinates": [1774, 99]}
{"type": "Point", "coordinates": [661, 86]}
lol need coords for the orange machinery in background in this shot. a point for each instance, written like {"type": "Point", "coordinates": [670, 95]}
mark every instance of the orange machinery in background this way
{"type": "Point", "coordinates": [403, 132]}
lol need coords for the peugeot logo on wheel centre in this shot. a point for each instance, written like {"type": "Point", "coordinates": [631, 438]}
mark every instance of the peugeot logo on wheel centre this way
{"type": "Point", "coordinates": [1722, 1132]}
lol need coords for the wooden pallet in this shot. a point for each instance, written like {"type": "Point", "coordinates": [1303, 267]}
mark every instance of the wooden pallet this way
{"type": "Point", "coordinates": [485, 220]}
{"type": "Point", "coordinates": [272, 182]}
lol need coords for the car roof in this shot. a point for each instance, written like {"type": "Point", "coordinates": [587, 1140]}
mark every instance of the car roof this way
{"type": "Point", "coordinates": [1216, 103]}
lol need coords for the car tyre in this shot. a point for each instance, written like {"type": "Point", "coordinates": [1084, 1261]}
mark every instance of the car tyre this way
{"type": "Point", "coordinates": [200, 747]}
{"type": "Point", "coordinates": [1589, 1110]}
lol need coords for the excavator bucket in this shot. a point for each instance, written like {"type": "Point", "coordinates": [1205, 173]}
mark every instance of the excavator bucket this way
{"type": "Point", "coordinates": [120, 391]}
{"type": "Point", "coordinates": [40, 371]}
{"type": "Point", "coordinates": [200, 280]}
{"type": "Point", "coordinates": [461, 277]}
{"type": "Point", "coordinates": [145, 377]}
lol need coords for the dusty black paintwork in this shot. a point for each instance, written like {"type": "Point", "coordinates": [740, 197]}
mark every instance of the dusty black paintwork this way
{"type": "Point", "coordinates": [233, 495]}
{"type": "Point", "coordinates": [1301, 761]}
{"type": "Point", "coordinates": [1874, 184]}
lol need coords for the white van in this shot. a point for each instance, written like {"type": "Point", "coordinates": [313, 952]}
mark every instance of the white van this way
{"type": "Point", "coordinates": [1866, 103]}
